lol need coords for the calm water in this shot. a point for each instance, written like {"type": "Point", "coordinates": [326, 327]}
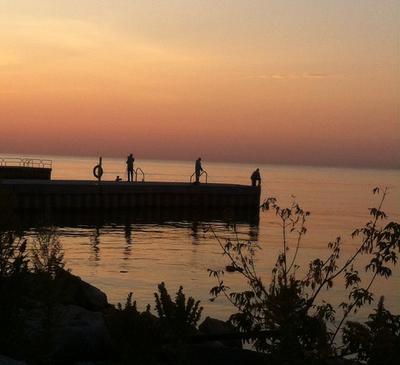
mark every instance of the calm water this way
{"type": "Point", "coordinates": [136, 257]}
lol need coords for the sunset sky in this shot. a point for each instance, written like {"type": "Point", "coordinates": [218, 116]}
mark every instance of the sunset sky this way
{"type": "Point", "coordinates": [299, 82]}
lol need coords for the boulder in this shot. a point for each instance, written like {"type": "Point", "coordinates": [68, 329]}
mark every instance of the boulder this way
{"type": "Point", "coordinates": [81, 335]}
{"type": "Point", "coordinates": [4, 360]}
{"type": "Point", "coordinates": [73, 290]}
{"type": "Point", "coordinates": [212, 355]}
{"type": "Point", "coordinates": [212, 326]}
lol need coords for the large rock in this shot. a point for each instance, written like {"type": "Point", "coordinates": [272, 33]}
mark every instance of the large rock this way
{"type": "Point", "coordinates": [212, 355]}
{"type": "Point", "coordinates": [81, 335]}
{"type": "Point", "coordinates": [73, 290]}
{"type": "Point", "coordinates": [4, 360]}
{"type": "Point", "coordinates": [66, 334]}
{"type": "Point", "coordinates": [212, 326]}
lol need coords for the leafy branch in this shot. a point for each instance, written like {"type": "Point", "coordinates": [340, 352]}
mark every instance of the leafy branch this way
{"type": "Point", "coordinates": [292, 307]}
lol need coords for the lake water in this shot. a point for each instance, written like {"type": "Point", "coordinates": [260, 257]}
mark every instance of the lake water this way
{"type": "Point", "coordinates": [136, 257]}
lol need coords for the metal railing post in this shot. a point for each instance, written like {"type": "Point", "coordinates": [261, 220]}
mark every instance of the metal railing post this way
{"type": "Point", "coordinates": [26, 162]}
{"type": "Point", "coordinates": [204, 172]}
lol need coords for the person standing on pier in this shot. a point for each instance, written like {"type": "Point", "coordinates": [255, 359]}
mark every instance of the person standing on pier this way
{"type": "Point", "coordinates": [255, 178]}
{"type": "Point", "coordinates": [198, 170]}
{"type": "Point", "coordinates": [129, 166]}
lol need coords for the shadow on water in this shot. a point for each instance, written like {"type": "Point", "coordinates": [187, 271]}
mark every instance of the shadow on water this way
{"type": "Point", "coordinates": [100, 218]}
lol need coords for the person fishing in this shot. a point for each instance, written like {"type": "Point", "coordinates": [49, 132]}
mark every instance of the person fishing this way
{"type": "Point", "coordinates": [129, 166]}
{"type": "Point", "coordinates": [198, 169]}
{"type": "Point", "coordinates": [255, 178]}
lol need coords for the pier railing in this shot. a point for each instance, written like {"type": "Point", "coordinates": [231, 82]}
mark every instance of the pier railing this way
{"type": "Point", "coordinates": [26, 162]}
{"type": "Point", "coordinates": [137, 172]}
{"type": "Point", "coordinates": [204, 172]}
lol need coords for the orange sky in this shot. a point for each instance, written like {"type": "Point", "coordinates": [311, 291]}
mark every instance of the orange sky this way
{"type": "Point", "coordinates": [303, 82]}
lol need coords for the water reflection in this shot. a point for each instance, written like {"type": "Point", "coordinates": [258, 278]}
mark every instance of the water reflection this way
{"type": "Point", "coordinates": [92, 224]}
{"type": "Point", "coordinates": [144, 245]}
{"type": "Point", "coordinates": [128, 241]}
{"type": "Point", "coordinates": [116, 242]}
{"type": "Point", "coordinates": [195, 232]}
{"type": "Point", "coordinates": [253, 232]}
{"type": "Point", "coordinates": [95, 245]}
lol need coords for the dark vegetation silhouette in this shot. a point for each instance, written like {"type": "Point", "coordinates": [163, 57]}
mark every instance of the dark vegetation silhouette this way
{"type": "Point", "coordinates": [49, 316]}
{"type": "Point", "coordinates": [47, 255]}
{"type": "Point", "coordinates": [378, 340]}
{"type": "Point", "coordinates": [150, 338]}
{"type": "Point", "coordinates": [181, 314]}
{"type": "Point", "coordinates": [288, 318]}
{"type": "Point", "coordinates": [36, 293]}
{"type": "Point", "coordinates": [28, 293]}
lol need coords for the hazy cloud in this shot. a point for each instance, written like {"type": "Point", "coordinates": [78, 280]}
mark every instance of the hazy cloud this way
{"type": "Point", "coordinates": [293, 76]}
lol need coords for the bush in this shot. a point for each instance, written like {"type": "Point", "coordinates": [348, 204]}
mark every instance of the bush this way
{"type": "Point", "coordinates": [376, 341]}
{"type": "Point", "coordinates": [144, 338]}
{"type": "Point", "coordinates": [180, 316]}
{"type": "Point", "coordinates": [47, 253]}
{"type": "Point", "coordinates": [13, 269]}
{"type": "Point", "coordinates": [135, 335]}
{"type": "Point", "coordinates": [286, 318]}
{"type": "Point", "coordinates": [28, 292]}
{"type": "Point", "coordinates": [13, 254]}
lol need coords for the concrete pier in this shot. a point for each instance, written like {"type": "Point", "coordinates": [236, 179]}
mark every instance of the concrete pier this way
{"type": "Point", "coordinates": [62, 196]}
{"type": "Point", "coordinates": [25, 168]}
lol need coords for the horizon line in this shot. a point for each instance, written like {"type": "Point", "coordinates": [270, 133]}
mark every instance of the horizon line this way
{"type": "Point", "coordinates": [288, 164]}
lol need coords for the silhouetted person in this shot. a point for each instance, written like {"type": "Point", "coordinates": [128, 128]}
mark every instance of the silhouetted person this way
{"type": "Point", "coordinates": [118, 179]}
{"type": "Point", "coordinates": [255, 178]}
{"type": "Point", "coordinates": [129, 166]}
{"type": "Point", "coordinates": [198, 170]}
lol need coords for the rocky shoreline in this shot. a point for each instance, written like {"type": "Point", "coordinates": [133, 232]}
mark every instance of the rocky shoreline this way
{"type": "Point", "coordinates": [69, 321]}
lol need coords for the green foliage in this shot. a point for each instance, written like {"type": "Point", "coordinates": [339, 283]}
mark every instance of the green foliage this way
{"type": "Point", "coordinates": [287, 318]}
{"type": "Point", "coordinates": [376, 341]}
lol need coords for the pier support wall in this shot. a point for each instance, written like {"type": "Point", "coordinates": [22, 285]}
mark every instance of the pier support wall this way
{"type": "Point", "coordinates": [31, 195]}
